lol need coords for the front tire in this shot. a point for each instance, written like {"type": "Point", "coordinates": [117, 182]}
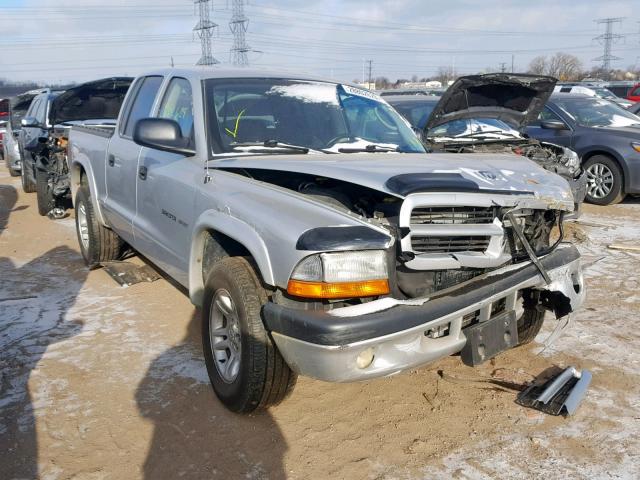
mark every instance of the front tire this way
{"type": "Point", "coordinates": [529, 324]}
{"type": "Point", "coordinates": [45, 197]}
{"type": "Point", "coordinates": [28, 183]}
{"type": "Point", "coordinates": [97, 243]}
{"type": "Point", "coordinates": [605, 181]}
{"type": "Point", "coordinates": [246, 369]}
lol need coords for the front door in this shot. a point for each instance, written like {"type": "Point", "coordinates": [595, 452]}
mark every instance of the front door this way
{"type": "Point", "coordinates": [166, 190]}
{"type": "Point", "coordinates": [557, 137]}
{"type": "Point", "coordinates": [121, 164]}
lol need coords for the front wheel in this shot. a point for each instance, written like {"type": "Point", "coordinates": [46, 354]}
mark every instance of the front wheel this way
{"type": "Point", "coordinates": [28, 184]}
{"type": "Point", "coordinates": [44, 193]}
{"type": "Point", "coordinates": [605, 182]}
{"type": "Point", "coordinates": [246, 369]}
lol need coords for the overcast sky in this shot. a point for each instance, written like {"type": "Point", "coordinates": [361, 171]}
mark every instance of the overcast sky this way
{"type": "Point", "coordinates": [79, 40]}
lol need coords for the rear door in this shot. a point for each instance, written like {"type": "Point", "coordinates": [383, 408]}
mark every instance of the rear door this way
{"type": "Point", "coordinates": [166, 189]}
{"type": "Point", "coordinates": [558, 137]}
{"type": "Point", "coordinates": [121, 165]}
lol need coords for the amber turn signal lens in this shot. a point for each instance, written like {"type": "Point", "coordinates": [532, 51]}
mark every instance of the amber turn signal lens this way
{"type": "Point", "coordinates": [367, 288]}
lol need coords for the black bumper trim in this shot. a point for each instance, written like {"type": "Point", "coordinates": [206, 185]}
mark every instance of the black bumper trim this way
{"type": "Point", "coordinates": [324, 329]}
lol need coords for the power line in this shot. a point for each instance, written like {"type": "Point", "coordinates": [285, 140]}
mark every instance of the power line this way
{"type": "Point", "coordinates": [238, 25]}
{"type": "Point", "coordinates": [608, 38]}
{"type": "Point", "coordinates": [204, 28]}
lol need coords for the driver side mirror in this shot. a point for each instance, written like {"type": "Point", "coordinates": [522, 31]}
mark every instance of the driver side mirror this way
{"type": "Point", "coordinates": [553, 125]}
{"type": "Point", "coordinates": [162, 134]}
{"type": "Point", "coordinates": [30, 122]}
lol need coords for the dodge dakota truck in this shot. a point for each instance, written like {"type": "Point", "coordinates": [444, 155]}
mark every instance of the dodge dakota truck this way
{"type": "Point", "coordinates": [317, 235]}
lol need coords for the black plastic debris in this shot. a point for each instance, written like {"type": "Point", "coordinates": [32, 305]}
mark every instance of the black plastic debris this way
{"type": "Point", "coordinates": [559, 395]}
{"type": "Point", "coordinates": [127, 273]}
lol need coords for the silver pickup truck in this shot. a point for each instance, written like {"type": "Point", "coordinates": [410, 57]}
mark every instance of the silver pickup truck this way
{"type": "Point", "coordinates": [319, 238]}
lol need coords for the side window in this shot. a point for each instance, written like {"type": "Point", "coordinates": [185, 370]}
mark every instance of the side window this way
{"type": "Point", "coordinates": [126, 106]}
{"type": "Point", "coordinates": [547, 114]}
{"type": "Point", "coordinates": [635, 92]}
{"type": "Point", "coordinates": [141, 106]}
{"type": "Point", "coordinates": [177, 105]}
{"type": "Point", "coordinates": [42, 111]}
{"type": "Point", "coordinates": [33, 108]}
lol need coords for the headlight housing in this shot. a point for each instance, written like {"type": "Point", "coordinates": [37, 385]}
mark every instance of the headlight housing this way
{"type": "Point", "coordinates": [570, 159]}
{"type": "Point", "coordinates": [341, 275]}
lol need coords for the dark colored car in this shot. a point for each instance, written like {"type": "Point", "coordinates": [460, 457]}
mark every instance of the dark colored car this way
{"type": "Point", "coordinates": [605, 136]}
{"type": "Point", "coordinates": [18, 107]}
{"type": "Point", "coordinates": [486, 114]}
{"type": "Point", "coordinates": [46, 127]}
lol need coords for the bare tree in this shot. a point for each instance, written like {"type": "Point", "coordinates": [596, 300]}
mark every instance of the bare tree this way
{"type": "Point", "coordinates": [445, 74]}
{"type": "Point", "coordinates": [565, 66]}
{"type": "Point", "coordinates": [538, 65]}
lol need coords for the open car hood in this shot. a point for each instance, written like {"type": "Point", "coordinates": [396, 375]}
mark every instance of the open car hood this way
{"type": "Point", "coordinates": [99, 99]}
{"type": "Point", "coordinates": [514, 98]}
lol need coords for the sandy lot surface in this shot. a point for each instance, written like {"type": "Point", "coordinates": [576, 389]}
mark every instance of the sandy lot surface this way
{"type": "Point", "coordinates": [103, 382]}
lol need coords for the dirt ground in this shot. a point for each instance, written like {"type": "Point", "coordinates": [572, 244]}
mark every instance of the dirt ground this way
{"type": "Point", "coordinates": [103, 382]}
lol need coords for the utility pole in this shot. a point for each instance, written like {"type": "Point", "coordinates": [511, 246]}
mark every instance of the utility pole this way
{"type": "Point", "coordinates": [204, 28]}
{"type": "Point", "coordinates": [607, 39]}
{"type": "Point", "coordinates": [370, 63]}
{"type": "Point", "coordinates": [503, 67]}
{"type": "Point", "coordinates": [238, 26]}
{"type": "Point", "coordinates": [513, 59]}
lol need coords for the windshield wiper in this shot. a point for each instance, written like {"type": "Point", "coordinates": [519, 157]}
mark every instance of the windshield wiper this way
{"type": "Point", "coordinates": [270, 145]}
{"type": "Point", "coordinates": [479, 134]}
{"type": "Point", "coordinates": [371, 148]}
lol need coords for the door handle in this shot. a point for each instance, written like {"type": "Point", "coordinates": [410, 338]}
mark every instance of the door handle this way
{"type": "Point", "coordinates": [142, 173]}
{"type": "Point", "coordinates": [111, 160]}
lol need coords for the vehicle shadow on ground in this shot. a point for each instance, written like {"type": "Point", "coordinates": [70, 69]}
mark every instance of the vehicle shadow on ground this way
{"type": "Point", "coordinates": [194, 436]}
{"type": "Point", "coordinates": [34, 301]}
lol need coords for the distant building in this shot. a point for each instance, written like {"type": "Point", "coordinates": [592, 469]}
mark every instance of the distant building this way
{"type": "Point", "coordinates": [429, 84]}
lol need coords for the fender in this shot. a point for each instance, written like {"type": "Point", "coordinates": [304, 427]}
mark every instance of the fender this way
{"type": "Point", "coordinates": [234, 228]}
{"type": "Point", "coordinates": [75, 167]}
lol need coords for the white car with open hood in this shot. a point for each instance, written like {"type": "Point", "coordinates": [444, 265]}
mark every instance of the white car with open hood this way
{"type": "Point", "coordinates": [317, 235]}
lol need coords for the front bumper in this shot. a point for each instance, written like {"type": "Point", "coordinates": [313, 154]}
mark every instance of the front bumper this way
{"type": "Point", "coordinates": [326, 345]}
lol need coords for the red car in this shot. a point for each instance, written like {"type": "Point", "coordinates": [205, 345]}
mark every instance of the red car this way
{"type": "Point", "coordinates": [634, 93]}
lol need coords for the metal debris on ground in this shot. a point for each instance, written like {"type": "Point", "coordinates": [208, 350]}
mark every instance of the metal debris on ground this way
{"type": "Point", "coordinates": [627, 248]}
{"type": "Point", "coordinates": [559, 395]}
{"type": "Point", "coordinates": [127, 273]}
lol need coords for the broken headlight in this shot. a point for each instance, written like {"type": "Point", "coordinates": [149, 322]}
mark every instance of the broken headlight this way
{"type": "Point", "coordinates": [570, 160]}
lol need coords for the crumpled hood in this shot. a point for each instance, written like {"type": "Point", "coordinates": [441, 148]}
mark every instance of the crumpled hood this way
{"type": "Point", "coordinates": [401, 174]}
{"type": "Point", "coordinates": [100, 99]}
{"type": "Point", "coordinates": [515, 98]}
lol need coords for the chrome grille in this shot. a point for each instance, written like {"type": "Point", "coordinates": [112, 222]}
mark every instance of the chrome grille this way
{"type": "Point", "coordinates": [449, 244]}
{"type": "Point", "coordinates": [452, 215]}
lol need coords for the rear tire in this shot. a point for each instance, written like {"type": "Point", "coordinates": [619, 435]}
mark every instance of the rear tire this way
{"type": "Point", "coordinates": [97, 243]}
{"type": "Point", "coordinates": [28, 183]}
{"type": "Point", "coordinates": [245, 367]}
{"type": "Point", "coordinates": [14, 173]}
{"type": "Point", "coordinates": [45, 197]}
{"type": "Point", "coordinates": [605, 181]}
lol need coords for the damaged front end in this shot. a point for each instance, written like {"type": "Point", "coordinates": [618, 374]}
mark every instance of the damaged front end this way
{"type": "Point", "coordinates": [470, 271]}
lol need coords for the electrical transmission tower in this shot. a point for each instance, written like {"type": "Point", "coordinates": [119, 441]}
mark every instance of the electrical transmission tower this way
{"type": "Point", "coordinates": [204, 28]}
{"type": "Point", "coordinates": [608, 38]}
{"type": "Point", "coordinates": [238, 26]}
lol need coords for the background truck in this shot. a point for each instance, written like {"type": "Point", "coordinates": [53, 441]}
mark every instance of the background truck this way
{"type": "Point", "coordinates": [44, 133]}
{"type": "Point", "coordinates": [319, 238]}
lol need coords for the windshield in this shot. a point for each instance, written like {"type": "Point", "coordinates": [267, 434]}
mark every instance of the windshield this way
{"type": "Point", "coordinates": [315, 115]}
{"type": "Point", "coordinates": [605, 93]}
{"type": "Point", "coordinates": [595, 112]}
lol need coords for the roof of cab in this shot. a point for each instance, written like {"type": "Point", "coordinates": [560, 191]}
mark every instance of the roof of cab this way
{"type": "Point", "coordinates": [204, 73]}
